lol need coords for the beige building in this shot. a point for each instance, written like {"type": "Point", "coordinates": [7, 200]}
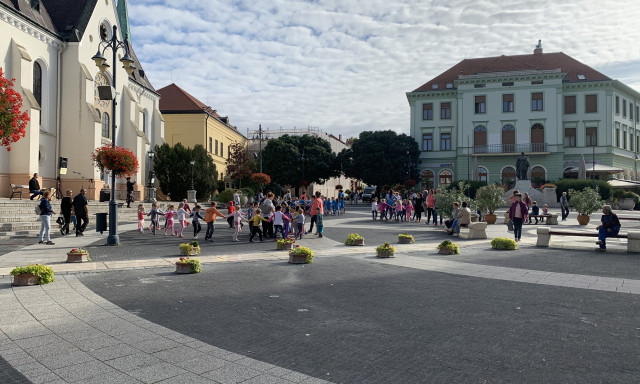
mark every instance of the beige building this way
{"type": "Point", "coordinates": [47, 46]}
{"type": "Point", "coordinates": [190, 122]}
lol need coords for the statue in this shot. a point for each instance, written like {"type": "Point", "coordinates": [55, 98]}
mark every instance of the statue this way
{"type": "Point", "coordinates": [522, 167]}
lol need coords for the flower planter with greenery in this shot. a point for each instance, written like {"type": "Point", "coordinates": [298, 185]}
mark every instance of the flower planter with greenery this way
{"type": "Point", "coordinates": [32, 274]}
{"type": "Point", "coordinates": [78, 255]}
{"type": "Point", "coordinates": [285, 244]}
{"type": "Point", "coordinates": [405, 238]}
{"type": "Point", "coordinates": [354, 239]}
{"type": "Point", "coordinates": [119, 160]}
{"type": "Point", "coordinates": [489, 198]}
{"type": "Point", "coordinates": [188, 265]}
{"type": "Point", "coordinates": [385, 250]}
{"type": "Point", "coordinates": [448, 248]}
{"type": "Point", "coordinates": [300, 255]}
{"type": "Point", "coordinates": [13, 122]}
{"type": "Point", "coordinates": [190, 249]}
{"type": "Point", "coordinates": [504, 243]}
{"type": "Point", "coordinates": [261, 179]}
{"type": "Point", "coordinates": [626, 200]}
{"type": "Point", "coordinates": [585, 202]}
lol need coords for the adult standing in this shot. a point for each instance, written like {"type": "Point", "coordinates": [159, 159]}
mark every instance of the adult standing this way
{"type": "Point", "coordinates": [431, 204]}
{"type": "Point", "coordinates": [236, 198]}
{"type": "Point", "coordinates": [130, 185]}
{"type": "Point", "coordinates": [418, 204]}
{"type": "Point", "coordinates": [287, 196]}
{"type": "Point", "coordinates": [564, 206]}
{"type": "Point", "coordinates": [45, 218]}
{"type": "Point", "coordinates": [65, 208]}
{"type": "Point", "coordinates": [81, 209]}
{"type": "Point", "coordinates": [317, 212]}
{"type": "Point", "coordinates": [34, 186]}
{"type": "Point", "coordinates": [518, 214]}
{"type": "Point", "coordinates": [610, 227]}
{"type": "Point", "coordinates": [267, 208]}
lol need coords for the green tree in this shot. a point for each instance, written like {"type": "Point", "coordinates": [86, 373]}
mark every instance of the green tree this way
{"type": "Point", "coordinates": [173, 170]}
{"type": "Point", "coordinates": [380, 158]}
{"type": "Point", "coordinates": [282, 160]}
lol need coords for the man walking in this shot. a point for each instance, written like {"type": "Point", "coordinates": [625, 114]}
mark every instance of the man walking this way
{"type": "Point", "coordinates": [81, 210]}
{"type": "Point", "coordinates": [564, 206]}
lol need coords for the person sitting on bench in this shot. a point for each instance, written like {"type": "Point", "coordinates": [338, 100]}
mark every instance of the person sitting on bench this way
{"type": "Point", "coordinates": [610, 227]}
{"type": "Point", "coordinates": [34, 186]}
{"type": "Point", "coordinates": [535, 211]}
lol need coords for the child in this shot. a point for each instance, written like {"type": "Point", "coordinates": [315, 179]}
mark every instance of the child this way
{"type": "Point", "coordinates": [335, 206]}
{"type": "Point", "coordinates": [374, 208]}
{"type": "Point", "coordinates": [287, 225]}
{"type": "Point", "coordinates": [196, 223]}
{"type": "Point", "coordinates": [278, 222]}
{"type": "Point", "coordinates": [298, 217]}
{"type": "Point", "coordinates": [408, 208]}
{"type": "Point", "coordinates": [168, 215]}
{"type": "Point", "coordinates": [210, 216]}
{"type": "Point", "coordinates": [154, 213]}
{"type": "Point", "coordinates": [230, 209]}
{"type": "Point", "coordinates": [141, 218]}
{"type": "Point", "coordinates": [326, 204]}
{"type": "Point", "coordinates": [382, 206]}
{"type": "Point", "coordinates": [399, 210]}
{"type": "Point", "coordinates": [545, 211]}
{"type": "Point", "coordinates": [255, 228]}
{"type": "Point", "coordinates": [182, 219]}
{"type": "Point", "coordinates": [535, 211]}
{"type": "Point", "coordinates": [238, 216]}
{"type": "Point", "coordinates": [187, 209]}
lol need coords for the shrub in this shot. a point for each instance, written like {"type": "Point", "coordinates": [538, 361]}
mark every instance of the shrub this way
{"type": "Point", "coordinates": [190, 248]}
{"type": "Point", "coordinates": [406, 236]}
{"type": "Point", "coordinates": [351, 239]}
{"type": "Point", "coordinates": [248, 192]}
{"type": "Point", "coordinates": [490, 197]}
{"type": "Point", "coordinates": [446, 197]}
{"type": "Point", "coordinates": [503, 243]}
{"type": "Point", "coordinates": [472, 187]}
{"type": "Point", "coordinates": [42, 271]}
{"type": "Point", "coordinates": [298, 250]}
{"type": "Point", "coordinates": [226, 196]}
{"type": "Point", "coordinates": [453, 247]}
{"type": "Point", "coordinates": [585, 202]}
{"type": "Point", "coordinates": [564, 185]}
{"type": "Point", "coordinates": [194, 264]}
{"type": "Point", "coordinates": [622, 194]}
{"type": "Point", "coordinates": [385, 248]}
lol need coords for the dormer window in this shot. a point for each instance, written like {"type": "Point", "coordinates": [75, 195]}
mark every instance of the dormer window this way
{"type": "Point", "coordinates": [35, 5]}
{"type": "Point", "coordinates": [449, 85]}
{"type": "Point", "coordinates": [434, 86]}
{"type": "Point", "coordinates": [582, 77]}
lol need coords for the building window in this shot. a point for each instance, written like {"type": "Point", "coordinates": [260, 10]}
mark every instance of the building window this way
{"type": "Point", "coordinates": [221, 149]}
{"type": "Point", "coordinates": [618, 137]}
{"type": "Point", "coordinates": [538, 176]}
{"type": "Point", "coordinates": [631, 141]}
{"type": "Point", "coordinates": [569, 137]}
{"type": "Point", "coordinates": [480, 139]}
{"type": "Point", "coordinates": [637, 114]}
{"type": "Point", "coordinates": [591, 103]}
{"type": "Point", "coordinates": [445, 178]}
{"type": "Point", "coordinates": [618, 105]}
{"type": "Point", "coordinates": [37, 86]}
{"type": "Point", "coordinates": [481, 104]}
{"type": "Point", "coordinates": [427, 142]}
{"type": "Point", "coordinates": [216, 148]}
{"type": "Point", "coordinates": [508, 139]}
{"type": "Point", "coordinates": [210, 145]}
{"type": "Point", "coordinates": [624, 108]}
{"type": "Point", "coordinates": [624, 140]}
{"type": "Point", "coordinates": [427, 111]}
{"type": "Point", "coordinates": [483, 174]}
{"type": "Point", "coordinates": [105, 125]}
{"type": "Point", "coordinates": [427, 179]}
{"type": "Point", "coordinates": [507, 102]}
{"type": "Point", "coordinates": [591, 136]}
{"type": "Point", "coordinates": [537, 138]}
{"type": "Point", "coordinates": [508, 177]}
{"type": "Point", "coordinates": [445, 111]}
{"type": "Point", "coordinates": [228, 152]}
{"type": "Point", "coordinates": [536, 101]}
{"type": "Point", "coordinates": [569, 105]}
{"type": "Point", "coordinates": [445, 141]}
{"type": "Point", "coordinates": [630, 111]}
{"type": "Point", "coordinates": [144, 123]}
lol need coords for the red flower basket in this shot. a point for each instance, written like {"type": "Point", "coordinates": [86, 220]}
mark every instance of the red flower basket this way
{"type": "Point", "coordinates": [261, 178]}
{"type": "Point", "coordinates": [12, 121]}
{"type": "Point", "coordinates": [119, 160]}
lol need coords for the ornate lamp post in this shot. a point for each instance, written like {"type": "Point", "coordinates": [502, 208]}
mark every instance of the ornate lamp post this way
{"type": "Point", "coordinates": [260, 135]}
{"type": "Point", "coordinates": [151, 179]}
{"type": "Point", "coordinates": [101, 62]}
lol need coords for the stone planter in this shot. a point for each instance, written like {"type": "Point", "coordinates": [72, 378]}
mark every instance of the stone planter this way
{"type": "Point", "coordinates": [25, 279]}
{"type": "Point", "coordinates": [183, 268]}
{"type": "Point", "coordinates": [583, 219]}
{"type": "Point", "coordinates": [385, 254]}
{"type": "Point", "coordinates": [626, 204]}
{"type": "Point", "coordinates": [196, 251]}
{"type": "Point", "coordinates": [444, 251]}
{"type": "Point", "coordinates": [285, 247]}
{"type": "Point", "coordinates": [490, 218]}
{"type": "Point", "coordinates": [297, 259]}
{"type": "Point", "coordinates": [359, 242]}
{"type": "Point", "coordinates": [76, 257]}
{"type": "Point", "coordinates": [404, 240]}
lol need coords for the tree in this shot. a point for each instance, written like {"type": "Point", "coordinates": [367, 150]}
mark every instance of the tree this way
{"type": "Point", "coordinates": [238, 164]}
{"type": "Point", "coordinates": [12, 121]}
{"type": "Point", "coordinates": [173, 170]}
{"type": "Point", "coordinates": [282, 159]}
{"type": "Point", "coordinates": [380, 158]}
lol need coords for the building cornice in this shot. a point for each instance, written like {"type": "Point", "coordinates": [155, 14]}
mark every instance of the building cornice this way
{"type": "Point", "coordinates": [498, 77]}
{"type": "Point", "coordinates": [139, 89]}
{"type": "Point", "coordinates": [29, 27]}
{"type": "Point", "coordinates": [438, 94]}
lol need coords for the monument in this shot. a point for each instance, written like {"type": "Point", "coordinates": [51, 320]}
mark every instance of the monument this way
{"type": "Point", "coordinates": [522, 167]}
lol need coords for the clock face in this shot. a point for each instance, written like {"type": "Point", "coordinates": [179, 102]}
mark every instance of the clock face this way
{"type": "Point", "coordinates": [100, 80]}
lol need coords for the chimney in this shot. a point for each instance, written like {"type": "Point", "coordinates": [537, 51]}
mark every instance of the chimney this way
{"type": "Point", "coordinates": [340, 137]}
{"type": "Point", "coordinates": [538, 50]}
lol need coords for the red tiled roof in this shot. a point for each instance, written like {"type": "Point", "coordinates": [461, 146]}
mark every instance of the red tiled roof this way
{"type": "Point", "coordinates": [543, 61]}
{"type": "Point", "coordinates": [175, 99]}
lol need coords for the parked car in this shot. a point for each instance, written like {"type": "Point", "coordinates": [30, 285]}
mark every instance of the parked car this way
{"type": "Point", "coordinates": [368, 193]}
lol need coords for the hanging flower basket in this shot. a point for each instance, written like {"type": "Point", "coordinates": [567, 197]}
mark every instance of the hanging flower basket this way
{"type": "Point", "coordinates": [12, 121]}
{"type": "Point", "coordinates": [261, 178]}
{"type": "Point", "coordinates": [119, 160]}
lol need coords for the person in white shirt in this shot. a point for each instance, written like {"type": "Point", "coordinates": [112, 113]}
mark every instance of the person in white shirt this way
{"type": "Point", "coordinates": [182, 214]}
{"type": "Point", "coordinates": [374, 208]}
{"type": "Point", "coordinates": [278, 220]}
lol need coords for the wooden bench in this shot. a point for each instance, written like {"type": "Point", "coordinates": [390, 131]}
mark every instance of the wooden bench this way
{"type": "Point", "coordinates": [552, 218]}
{"type": "Point", "coordinates": [544, 237]}
{"type": "Point", "coordinates": [17, 190]}
{"type": "Point", "coordinates": [629, 218]}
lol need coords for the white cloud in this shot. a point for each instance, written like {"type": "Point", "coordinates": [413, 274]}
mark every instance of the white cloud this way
{"type": "Point", "coordinates": [345, 65]}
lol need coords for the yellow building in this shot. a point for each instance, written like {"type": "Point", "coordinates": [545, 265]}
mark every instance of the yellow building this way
{"type": "Point", "coordinates": [189, 121]}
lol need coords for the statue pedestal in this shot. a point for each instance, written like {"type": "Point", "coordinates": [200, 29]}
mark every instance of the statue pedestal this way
{"type": "Point", "coordinates": [525, 186]}
{"type": "Point", "coordinates": [191, 196]}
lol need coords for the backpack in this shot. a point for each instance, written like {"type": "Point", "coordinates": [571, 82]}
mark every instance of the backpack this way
{"type": "Point", "coordinates": [38, 210]}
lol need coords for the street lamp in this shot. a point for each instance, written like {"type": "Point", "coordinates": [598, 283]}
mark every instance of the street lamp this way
{"type": "Point", "coordinates": [260, 135]}
{"type": "Point", "coordinates": [192, 162]}
{"type": "Point", "coordinates": [593, 159]}
{"type": "Point", "coordinates": [101, 62]}
{"type": "Point", "coordinates": [152, 175]}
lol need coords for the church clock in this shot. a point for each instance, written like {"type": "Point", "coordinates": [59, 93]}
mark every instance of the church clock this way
{"type": "Point", "coordinates": [100, 80]}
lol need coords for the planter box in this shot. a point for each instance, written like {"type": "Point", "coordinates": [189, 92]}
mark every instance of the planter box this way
{"type": "Point", "coordinates": [192, 253]}
{"type": "Point", "coordinates": [297, 259]}
{"type": "Point", "coordinates": [490, 218]}
{"type": "Point", "coordinates": [404, 240]}
{"type": "Point", "coordinates": [626, 204]}
{"type": "Point", "coordinates": [76, 257]}
{"type": "Point", "coordinates": [285, 247]}
{"type": "Point", "coordinates": [25, 279]}
{"type": "Point", "coordinates": [444, 251]}
{"type": "Point", "coordinates": [384, 255]}
{"type": "Point", "coordinates": [183, 268]}
{"type": "Point", "coordinates": [359, 242]}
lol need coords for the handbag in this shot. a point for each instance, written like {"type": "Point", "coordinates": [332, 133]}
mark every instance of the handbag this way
{"type": "Point", "coordinates": [510, 226]}
{"type": "Point", "coordinates": [60, 220]}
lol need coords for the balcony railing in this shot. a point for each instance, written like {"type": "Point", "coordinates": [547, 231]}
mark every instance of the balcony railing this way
{"type": "Point", "coordinates": [510, 148]}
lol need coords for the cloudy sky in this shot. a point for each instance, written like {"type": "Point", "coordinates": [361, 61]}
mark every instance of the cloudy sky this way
{"type": "Point", "coordinates": [344, 65]}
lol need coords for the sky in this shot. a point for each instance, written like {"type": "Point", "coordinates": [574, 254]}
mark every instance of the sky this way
{"type": "Point", "coordinates": [344, 66]}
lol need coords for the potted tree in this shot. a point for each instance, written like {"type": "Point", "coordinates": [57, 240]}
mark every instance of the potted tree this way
{"type": "Point", "coordinates": [385, 250]}
{"type": "Point", "coordinates": [448, 248]}
{"type": "Point", "coordinates": [300, 255]}
{"type": "Point", "coordinates": [489, 198]}
{"type": "Point", "coordinates": [354, 239]}
{"type": "Point", "coordinates": [405, 238]}
{"type": "Point", "coordinates": [585, 202]}
{"type": "Point", "coordinates": [32, 274]}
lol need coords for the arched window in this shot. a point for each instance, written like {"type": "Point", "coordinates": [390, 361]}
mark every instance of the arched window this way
{"type": "Point", "coordinates": [508, 139]}
{"type": "Point", "coordinates": [428, 178]}
{"type": "Point", "coordinates": [483, 174]}
{"type": "Point", "coordinates": [144, 122]}
{"type": "Point", "coordinates": [538, 176]}
{"type": "Point", "coordinates": [537, 138]}
{"type": "Point", "coordinates": [105, 125]}
{"type": "Point", "coordinates": [445, 178]}
{"type": "Point", "coordinates": [480, 139]}
{"type": "Point", "coordinates": [509, 177]}
{"type": "Point", "coordinates": [37, 86]}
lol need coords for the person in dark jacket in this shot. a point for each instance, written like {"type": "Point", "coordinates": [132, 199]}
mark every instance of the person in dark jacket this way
{"type": "Point", "coordinates": [610, 227]}
{"type": "Point", "coordinates": [81, 210]}
{"type": "Point", "coordinates": [518, 213]}
{"type": "Point", "coordinates": [130, 185]}
{"type": "Point", "coordinates": [34, 186]}
{"type": "Point", "coordinates": [45, 219]}
{"type": "Point", "coordinates": [65, 210]}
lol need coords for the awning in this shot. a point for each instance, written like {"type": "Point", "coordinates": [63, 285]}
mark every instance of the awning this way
{"type": "Point", "coordinates": [599, 169]}
{"type": "Point", "coordinates": [619, 183]}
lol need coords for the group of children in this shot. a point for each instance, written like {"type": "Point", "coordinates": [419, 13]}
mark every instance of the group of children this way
{"type": "Point", "coordinates": [396, 209]}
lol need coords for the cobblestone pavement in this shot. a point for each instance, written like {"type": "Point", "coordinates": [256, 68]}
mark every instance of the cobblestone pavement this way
{"type": "Point", "coordinates": [10, 245]}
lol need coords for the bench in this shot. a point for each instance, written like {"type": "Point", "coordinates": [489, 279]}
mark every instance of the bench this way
{"type": "Point", "coordinates": [552, 218]}
{"type": "Point", "coordinates": [544, 237]}
{"type": "Point", "coordinates": [475, 230]}
{"type": "Point", "coordinates": [17, 190]}
{"type": "Point", "coordinates": [629, 218]}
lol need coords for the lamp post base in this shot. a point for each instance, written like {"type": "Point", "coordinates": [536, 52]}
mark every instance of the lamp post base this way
{"type": "Point", "coordinates": [191, 196]}
{"type": "Point", "coordinates": [113, 238]}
